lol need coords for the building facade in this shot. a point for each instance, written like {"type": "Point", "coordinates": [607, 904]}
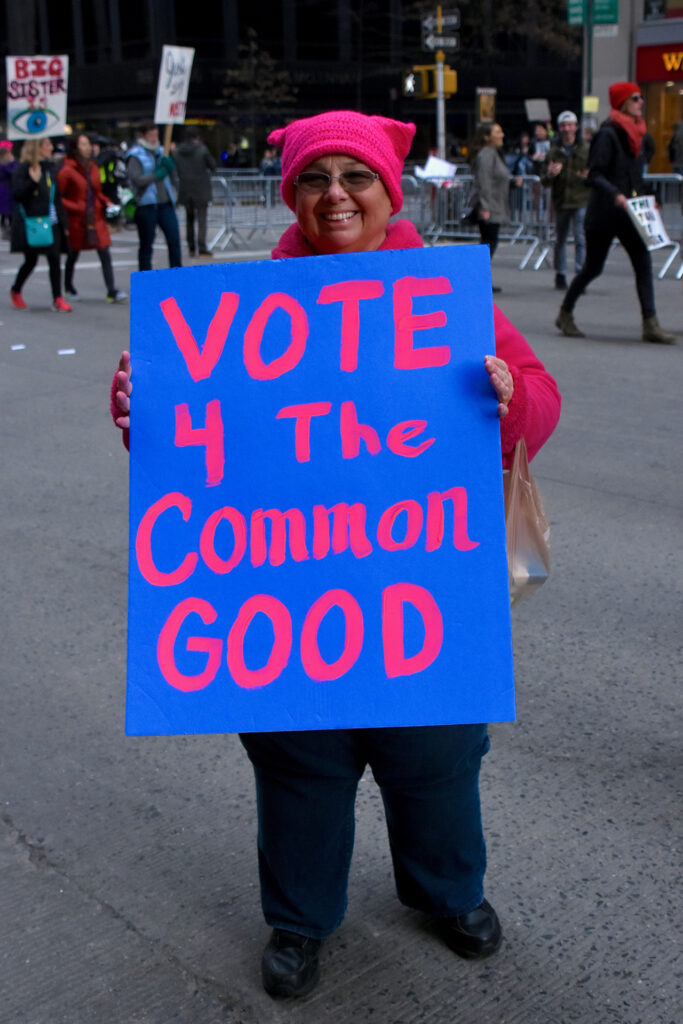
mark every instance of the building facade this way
{"type": "Point", "coordinates": [346, 54]}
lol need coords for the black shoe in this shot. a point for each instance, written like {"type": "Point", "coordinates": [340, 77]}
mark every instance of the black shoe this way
{"type": "Point", "coordinates": [496, 288]}
{"type": "Point", "coordinates": [289, 966]}
{"type": "Point", "coordinates": [561, 282]}
{"type": "Point", "coordinates": [474, 935]}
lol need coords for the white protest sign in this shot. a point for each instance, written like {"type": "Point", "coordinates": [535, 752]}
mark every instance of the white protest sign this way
{"type": "Point", "coordinates": [648, 221]}
{"type": "Point", "coordinates": [436, 168]}
{"type": "Point", "coordinates": [174, 83]}
{"type": "Point", "coordinates": [36, 96]}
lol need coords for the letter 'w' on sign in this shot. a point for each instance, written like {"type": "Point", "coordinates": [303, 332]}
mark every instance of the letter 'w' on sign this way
{"type": "Point", "coordinates": [201, 363]}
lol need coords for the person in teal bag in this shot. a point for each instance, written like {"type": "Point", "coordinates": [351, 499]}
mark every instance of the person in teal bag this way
{"type": "Point", "coordinates": [34, 187]}
{"type": "Point", "coordinates": [152, 178]}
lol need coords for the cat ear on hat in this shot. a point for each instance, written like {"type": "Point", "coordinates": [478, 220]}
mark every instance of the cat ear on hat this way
{"type": "Point", "coordinates": [401, 134]}
{"type": "Point", "coordinates": [277, 137]}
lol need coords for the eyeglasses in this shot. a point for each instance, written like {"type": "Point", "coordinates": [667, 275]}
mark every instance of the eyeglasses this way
{"type": "Point", "coordinates": [350, 181]}
{"type": "Point", "coordinates": [636, 97]}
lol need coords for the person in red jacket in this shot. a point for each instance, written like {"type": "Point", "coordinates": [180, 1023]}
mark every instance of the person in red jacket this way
{"type": "Point", "coordinates": [341, 175]}
{"type": "Point", "coordinates": [82, 197]}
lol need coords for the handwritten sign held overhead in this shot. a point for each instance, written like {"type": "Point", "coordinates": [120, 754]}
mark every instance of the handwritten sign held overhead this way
{"type": "Point", "coordinates": [36, 96]}
{"type": "Point", "coordinates": [317, 531]}
{"type": "Point", "coordinates": [173, 84]}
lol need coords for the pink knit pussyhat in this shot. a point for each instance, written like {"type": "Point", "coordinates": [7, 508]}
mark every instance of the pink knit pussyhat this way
{"type": "Point", "coordinates": [380, 142]}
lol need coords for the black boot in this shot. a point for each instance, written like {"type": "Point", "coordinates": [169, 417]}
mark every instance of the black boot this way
{"type": "Point", "coordinates": [561, 282]}
{"type": "Point", "coordinates": [473, 935]}
{"type": "Point", "coordinates": [289, 966]}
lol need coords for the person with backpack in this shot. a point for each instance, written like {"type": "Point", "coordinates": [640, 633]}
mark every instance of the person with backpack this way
{"type": "Point", "coordinates": [151, 176]}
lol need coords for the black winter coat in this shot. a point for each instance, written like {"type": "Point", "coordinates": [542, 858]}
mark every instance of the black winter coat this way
{"type": "Point", "coordinates": [194, 164]}
{"type": "Point", "coordinates": [35, 198]}
{"type": "Point", "coordinates": [613, 169]}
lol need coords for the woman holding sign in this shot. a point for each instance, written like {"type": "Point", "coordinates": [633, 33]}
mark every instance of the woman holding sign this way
{"type": "Point", "coordinates": [341, 175]}
{"type": "Point", "coordinates": [615, 175]}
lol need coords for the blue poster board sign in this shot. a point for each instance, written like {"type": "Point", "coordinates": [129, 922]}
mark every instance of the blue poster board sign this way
{"type": "Point", "coordinates": [317, 535]}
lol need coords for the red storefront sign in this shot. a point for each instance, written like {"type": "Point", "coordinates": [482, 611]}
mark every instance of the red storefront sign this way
{"type": "Point", "coordinates": [660, 63]}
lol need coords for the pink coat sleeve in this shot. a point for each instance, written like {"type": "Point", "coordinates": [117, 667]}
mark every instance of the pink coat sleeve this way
{"type": "Point", "coordinates": [535, 406]}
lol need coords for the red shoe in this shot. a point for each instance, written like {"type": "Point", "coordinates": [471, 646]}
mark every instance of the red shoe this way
{"type": "Point", "coordinates": [60, 306]}
{"type": "Point", "coordinates": [16, 300]}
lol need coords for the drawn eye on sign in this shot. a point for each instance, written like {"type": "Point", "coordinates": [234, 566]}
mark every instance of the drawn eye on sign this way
{"type": "Point", "coordinates": [36, 96]}
{"type": "Point", "coordinates": [35, 121]}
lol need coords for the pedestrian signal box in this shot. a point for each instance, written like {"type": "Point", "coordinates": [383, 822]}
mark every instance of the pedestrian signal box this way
{"type": "Point", "coordinates": [420, 82]}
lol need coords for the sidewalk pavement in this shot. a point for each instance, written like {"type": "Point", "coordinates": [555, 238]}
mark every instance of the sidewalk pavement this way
{"type": "Point", "coordinates": [129, 889]}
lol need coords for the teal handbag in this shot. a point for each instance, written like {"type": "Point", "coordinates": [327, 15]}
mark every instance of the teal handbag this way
{"type": "Point", "coordinates": [39, 233]}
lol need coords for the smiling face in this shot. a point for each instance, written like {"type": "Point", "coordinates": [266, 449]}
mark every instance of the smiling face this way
{"type": "Point", "coordinates": [45, 149]}
{"type": "Point", "coordinates": [496, 136]}
{"type": "Point", "coordinates": [568, 132]}
{"type": "Point", "coordinates": [339, 221]}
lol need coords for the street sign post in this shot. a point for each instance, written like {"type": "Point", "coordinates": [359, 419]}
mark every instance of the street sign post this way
{"type": "Point", "coordinates": [430, 41]}
{"type": "Point", "coordinates": [435, 41]}
{"type": "Point", "coordinates": [605, 12]}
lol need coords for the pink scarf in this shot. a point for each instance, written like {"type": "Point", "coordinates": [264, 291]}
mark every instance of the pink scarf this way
{"type": "Point", "coordinates": [634, 129]}
{"type": "Point", "coordinates": [401, 234]}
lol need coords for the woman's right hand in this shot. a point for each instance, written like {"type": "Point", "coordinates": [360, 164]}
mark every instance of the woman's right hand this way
{"type": "Point", "coordinates": [123, 390]}
{"type": "Point", "coordinates": [484, 214]}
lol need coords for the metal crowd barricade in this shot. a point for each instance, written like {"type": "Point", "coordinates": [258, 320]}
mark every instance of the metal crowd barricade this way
{"type": "Point", "coordinates": [446, 203]}
{"type": "Point", "coordinates": [450, 202]}
{"type": "Point", "coordinates": [668, 189]}
{"type": "Point", "coordinates": [243, 204]}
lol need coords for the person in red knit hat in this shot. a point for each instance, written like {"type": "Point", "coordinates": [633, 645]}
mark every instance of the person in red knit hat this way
{"type": "Point", "coordinates": [341, 174]}
{"type": "Point", "coordinates": [615, 175]}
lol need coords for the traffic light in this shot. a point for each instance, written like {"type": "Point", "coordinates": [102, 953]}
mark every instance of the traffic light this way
{"type": "Point", "coordinates": [420, 81]}
{"type": "Point", "coordinates": [450, 80]}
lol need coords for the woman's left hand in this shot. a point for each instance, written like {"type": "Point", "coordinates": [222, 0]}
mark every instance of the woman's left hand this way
{"type": "Point", "coordinates": [502, 382]}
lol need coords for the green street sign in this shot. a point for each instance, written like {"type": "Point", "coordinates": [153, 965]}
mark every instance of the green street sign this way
{"type": "Point", "coordinates": [605, 12]}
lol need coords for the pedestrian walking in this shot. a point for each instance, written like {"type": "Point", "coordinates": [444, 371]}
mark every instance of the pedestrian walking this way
{"type": "Point", "coordinates": [492, 181]}
{"type": "Point", "coordinates": [38, 220]}
{"type": "Point", "coordinates": [150, 174]}
{"type": "Point", "coordinates": [565, 170]}
{"type": "Point", "coordinates": [81, 190]}
{"type": "Point", "coordinates": [615, 174]}
{"type": "Point", "coordinates": [341, 175]}
{"type": "Point", "coordinates": [8, 165]}
{"type": "Point", "coordinates": [194, 164]}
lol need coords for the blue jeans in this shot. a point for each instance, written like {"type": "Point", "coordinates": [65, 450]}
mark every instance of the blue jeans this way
{"type": "Point", "coordinates": [306, 790]}
{"type": "Point", "coordinates": [147, 218]}
{"type": "Point", "coordinates": [564, 220]}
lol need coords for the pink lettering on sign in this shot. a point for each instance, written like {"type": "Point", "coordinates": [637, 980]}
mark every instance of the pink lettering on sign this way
{"type": "Point", "coordinates": [207, 541]}
{"type": "Point", "coordinates": [143, 543]}
{"type": "Point", "coordinates": [396, 662]}
{"type": "Point", "coordinates": [353, 432]}
{"type": "Point", "coordinates": [201, 362]}
{"type": "Point", "coordinates": [253, 336]}
{"type": "Point", "coordinates": [281, 622]}
{"type": "Point", "coordinates": [348, 530]}
{"type": "Point", "coordinates": [393, 629]}
{"type": "Point", "coordinates": [211, 646]}
{"type": "Point", "coordinates": [314, 664]}
{"type": "Point", "coordinates": [350, 294]}
{"type": "Point", "coordinates": [406, 356]}
{"type": "Point", "coordinates": [303, 414]}
{"type": "Point", "coordinates": [210, 437]}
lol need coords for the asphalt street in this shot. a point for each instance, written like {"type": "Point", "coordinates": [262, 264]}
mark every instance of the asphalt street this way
{"type": "Point", "coordinates": [129, 891]}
